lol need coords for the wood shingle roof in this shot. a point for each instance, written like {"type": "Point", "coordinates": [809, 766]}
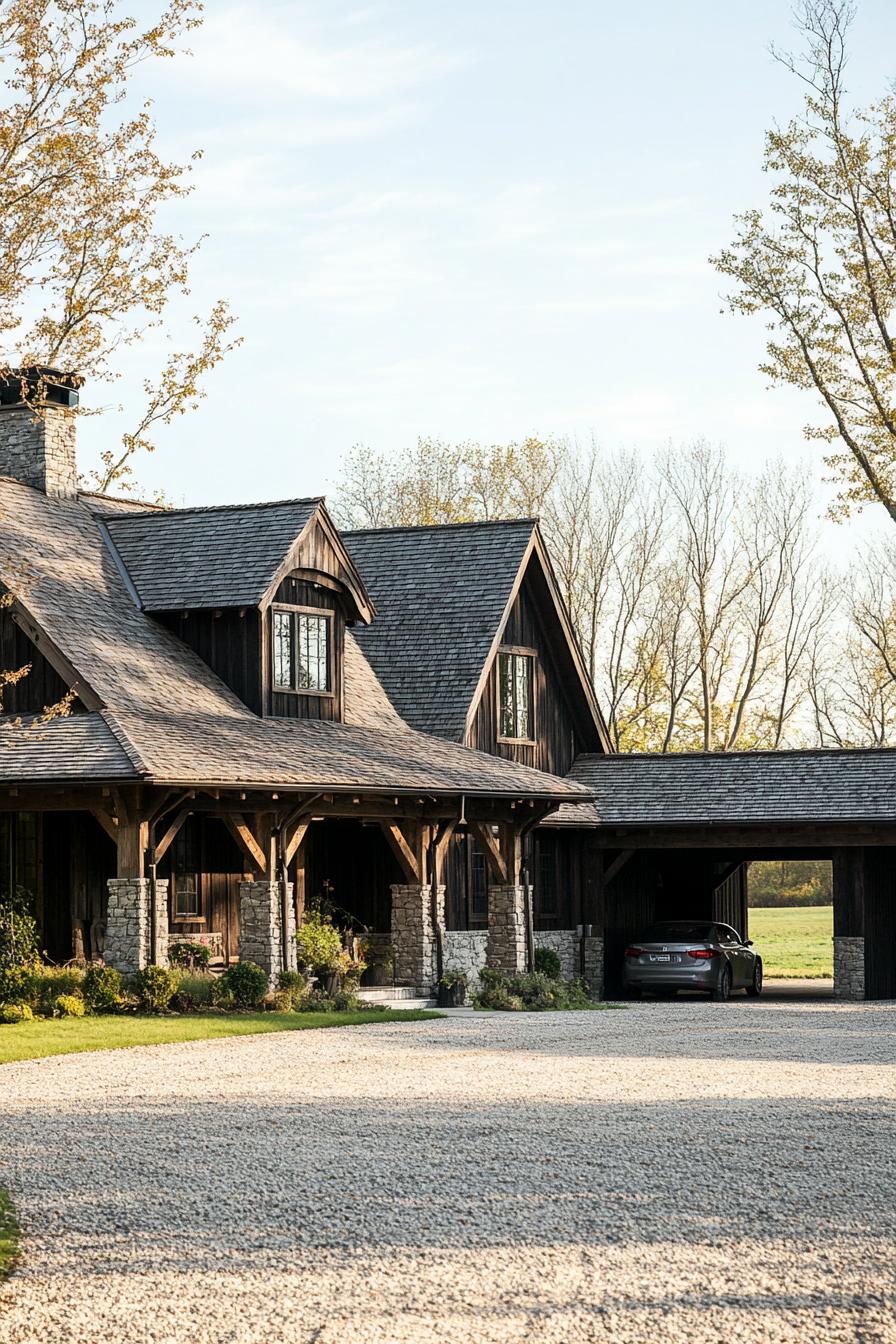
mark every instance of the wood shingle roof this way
{"type": "Point", "coordinates": [173, 718]}
{"type": "Point", "coordinates": [440, 593]}
{"type": "Point", "coordinates": [734, 788]}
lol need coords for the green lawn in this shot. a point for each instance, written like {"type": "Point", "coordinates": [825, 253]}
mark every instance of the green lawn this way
{"type": "Point", "coordinates": [9, 1234]}
{"type": "Point", "coordinates": [68, 1035]}
{"type": "Point", "coordinates": [794, 942]}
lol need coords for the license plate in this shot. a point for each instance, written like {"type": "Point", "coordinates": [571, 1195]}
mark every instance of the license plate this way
{"type": "Point", "coordinates": [661, 957]}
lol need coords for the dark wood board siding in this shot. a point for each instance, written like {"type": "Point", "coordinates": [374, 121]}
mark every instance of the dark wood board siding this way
{"type": "Point", "coordinates": [78, 858]}
{"type": "Point", "coordinates": [42, 686]}
{"type": "Point", "coordinates": [219, 877]}
{"type": "Point", "coordinates": [352, 868]}
{"type": "Point", "coordinates": [556, 877]}
{"type": "Point", "coordinates": [558, 738]}
{"type": "Point", "coordinates": [229, 641]}
{"type": "Point", "coordinates": [300, 593]}
{"type": "Point", "coordinates": [729, 902]}
{"type": "Point", "coordinates": [880, 924]}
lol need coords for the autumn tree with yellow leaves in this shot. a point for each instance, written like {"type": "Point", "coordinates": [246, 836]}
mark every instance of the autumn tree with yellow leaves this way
{"type": "Point", "coordinates": [85, 267]}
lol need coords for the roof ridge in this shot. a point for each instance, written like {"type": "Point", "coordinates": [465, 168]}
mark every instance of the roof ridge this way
{"type": "Point", "coordinates": [750, 752]}
{"type": "Point", "coordinates": [439, 527]}
{"type": "Point", "coordinates": [220, 508]}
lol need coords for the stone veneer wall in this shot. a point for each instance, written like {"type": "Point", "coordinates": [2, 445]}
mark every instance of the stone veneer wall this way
{"type": "Point", "coordinates": [506, 929]}
{"type": "Point", "coordinates": [567, 944]}
{"type": "Point", "coordinates": [128, 944]}
{"type": "Point", "coordinates": [39, 448]}
{"type": "Point", "coordinates": [465, 951]}
{"type": "Point", "coordinates": [413, 934]}
{"type": "Point", "coordinates": [849, 968]}
{"type": "Point", "coordinates": [593, 952]}
{"type": "Point", "coordinates": [260, 912]}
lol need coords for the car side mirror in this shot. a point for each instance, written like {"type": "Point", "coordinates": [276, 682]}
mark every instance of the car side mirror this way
{"type": "Point", "coordinates": [748, 942]}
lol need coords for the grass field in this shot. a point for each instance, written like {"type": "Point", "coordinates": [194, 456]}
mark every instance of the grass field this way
{"type": "Point", "coordinates": [9, 1234]}
{"type": "Point", "coordinates": [69, 1035]}
{"type": "Point", "coordinates": [794, 942]}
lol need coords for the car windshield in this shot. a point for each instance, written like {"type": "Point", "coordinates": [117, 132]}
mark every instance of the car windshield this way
{"type": "Point", "coordinates": [679, 931]}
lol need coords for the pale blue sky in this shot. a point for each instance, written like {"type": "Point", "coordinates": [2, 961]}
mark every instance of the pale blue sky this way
{"type": "Point", "coordinates": [479, 220]}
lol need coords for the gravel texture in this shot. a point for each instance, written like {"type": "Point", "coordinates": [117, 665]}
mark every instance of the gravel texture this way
{"type": "Point", "coordinates": [689, 1171]}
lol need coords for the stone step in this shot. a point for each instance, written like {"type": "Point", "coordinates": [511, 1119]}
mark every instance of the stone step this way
{"type": "Point", "coordinates": [379, 993]}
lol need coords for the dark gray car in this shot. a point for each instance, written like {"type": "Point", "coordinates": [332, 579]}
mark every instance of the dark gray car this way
{"type": "Point", "coordinates": [692, 954]}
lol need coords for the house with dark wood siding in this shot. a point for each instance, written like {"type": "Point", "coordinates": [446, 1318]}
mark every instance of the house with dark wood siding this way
{"type": "Point", "coordinates": [268, 713]}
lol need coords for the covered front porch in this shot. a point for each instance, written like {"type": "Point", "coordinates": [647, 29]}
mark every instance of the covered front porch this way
{"type": "Point", "coordinates": [123, 872]}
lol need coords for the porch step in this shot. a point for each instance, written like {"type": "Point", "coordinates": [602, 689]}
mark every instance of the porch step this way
{"type": "Point", "coordinates": [379, 993]}
{"type": "Point", "coordinates": [401, 999]}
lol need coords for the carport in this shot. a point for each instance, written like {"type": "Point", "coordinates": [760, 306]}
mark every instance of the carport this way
{"type": "Point", "coordinates": [670, 836]}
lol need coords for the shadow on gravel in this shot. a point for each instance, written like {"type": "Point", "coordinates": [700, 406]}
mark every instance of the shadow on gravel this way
{"type": "Point", "coordinates": [705, 1031]}
{"type": "Point", "coordinates": [221, 1186]}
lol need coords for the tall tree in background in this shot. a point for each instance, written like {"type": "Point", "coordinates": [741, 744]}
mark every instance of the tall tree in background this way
{"type": "Point", "coordinates": [85, 268]}
{"type": "Point", "coordinates": [689, 587]}
{"type": "Point", "coordinates": [820, 261]}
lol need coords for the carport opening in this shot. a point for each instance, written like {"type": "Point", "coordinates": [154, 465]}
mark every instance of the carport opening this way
{"type": "Point", "coordinates": [791, 917]}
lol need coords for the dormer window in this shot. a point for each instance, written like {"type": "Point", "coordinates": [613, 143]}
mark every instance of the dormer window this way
{"type": "Point", "coordinates": [302, 650]}
{"type": "Point", "coordinates": [515, 688]}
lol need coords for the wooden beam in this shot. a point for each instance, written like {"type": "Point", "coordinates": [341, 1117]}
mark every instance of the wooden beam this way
{"type": "Point", "coordinates": [107, 821]}
{"type": "Point", "coordinates": [408, 861]}
{"type": "Point", "coordinates": [132, 841]}
{"type": "Point", "coordinates": [295, 840]}
{"type": "Point", "coordinates": [497, 865]}
{"type": "Point", "coordinates": [161, 849]}
{"type": "Point", "coordinates": [617, 866]}
{"type": "Point", "coordinates": [239, 829]}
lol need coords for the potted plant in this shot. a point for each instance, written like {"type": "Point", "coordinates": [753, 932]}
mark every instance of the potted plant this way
{"type": "Point", "coordinates": [380, 959]}
{"type": "Point", "coordinates": [319, 948]}
{"type": "Point", "coordinates": [452, 988]}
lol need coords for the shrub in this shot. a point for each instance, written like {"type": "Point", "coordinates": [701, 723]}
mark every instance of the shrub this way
{"type": "Point", "coordinates": [103, 989]}
{"type": "Point", "coordinates": [282, 1001]}
{"type": "Point", "coordinates": [17, 984]}
{"type": "Point", "coordinates": [194, 991]}
{"type": "Point", "coordinates": [68, 1005]}
{"type": "Point", "coordinates": [11, 1013]}
{"type": "Point", "coordinates": [192, 956]}
{"type": "Point", "coordinates": [247, 983]}
{"type": "Point", "coordinates": [532, 993]}
{"type": "Point", "coordinates": [319, 943]}
{"type": "Point", "coordinates": [294, 984]}
{"type": "Point", "coordinates": [547, 962]}
{"type": "Point", "coordinates": [154, 987]}
{"type": "Point", "coordinates": [453, 978]}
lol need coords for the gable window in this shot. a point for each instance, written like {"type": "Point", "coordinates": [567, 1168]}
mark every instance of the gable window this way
{"type": "Point", "coordinates": [515, 677]}
{"type": "Point", "coordinates": [302, 651]}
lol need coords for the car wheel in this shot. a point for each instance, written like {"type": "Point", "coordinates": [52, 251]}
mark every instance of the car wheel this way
{"type": "Point", "coordinates": [754, 988]}
{"type": "Point", "coordinates": [722, 991]}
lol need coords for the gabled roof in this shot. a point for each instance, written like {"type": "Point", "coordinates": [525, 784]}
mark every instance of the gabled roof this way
{"type": "Point", "coordinates": [443, 595]}
{"type": "Point", "coordinates": [440, 594]}
{"type": "Point", "coordinates": [734, 788]}
{"type": "Point", "coordinates": [228, 556]}
{"type": "Point", "coordinates": [173, 719]}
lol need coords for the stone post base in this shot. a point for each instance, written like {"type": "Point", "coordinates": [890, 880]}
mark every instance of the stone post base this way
{"type": "Point", "coordinates": [413, 934]}
{"type": "Point", "coordinates": [260, 921]}
{"type": "Point", "coordinates": [506, 947]}
{"type": "Point", "coordinates": [128, 945]}
{"type": "Point", "coordinates": [849, 968]}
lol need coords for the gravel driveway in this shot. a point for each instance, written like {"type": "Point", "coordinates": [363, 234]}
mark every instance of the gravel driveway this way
{"type": "Point", "coordinates": [674, 1171]}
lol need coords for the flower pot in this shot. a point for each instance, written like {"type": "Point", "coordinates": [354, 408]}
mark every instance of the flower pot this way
{"type": "Point", "coordinates": [452, 996]}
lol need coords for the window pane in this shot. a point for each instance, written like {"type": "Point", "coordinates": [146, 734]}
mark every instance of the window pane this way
{"type": "Point", "coordinates": [313, 653]}
{"type": "Point", "coordinates": [479, 894]}
{"type": "Point", "coordinates": [282, 649]}
{"type": "Point", "coordinates": [505, 695]}
{"type": "Point", "coordinates": [187, 898]}
{"type": "Point", "coordinates": [522, 679]}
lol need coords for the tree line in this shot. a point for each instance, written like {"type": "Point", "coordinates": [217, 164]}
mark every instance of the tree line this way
{"type": "Point", "coordinates": [706, 615]}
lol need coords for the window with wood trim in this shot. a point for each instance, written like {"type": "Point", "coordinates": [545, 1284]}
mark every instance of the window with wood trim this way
{"type": "Point", "coordinates": [302, 650]}
{"type": "Point", "coordinates": [515, 684]}
{"type": "Point", "coordinates": [186, 875]}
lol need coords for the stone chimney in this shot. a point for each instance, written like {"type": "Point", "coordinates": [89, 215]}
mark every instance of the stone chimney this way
{"type": "Point", "coordinates": [37, 429]}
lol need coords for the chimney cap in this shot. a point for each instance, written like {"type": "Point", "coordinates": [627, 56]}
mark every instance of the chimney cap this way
{"type": "Point", "coordinates": [39, 383]}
